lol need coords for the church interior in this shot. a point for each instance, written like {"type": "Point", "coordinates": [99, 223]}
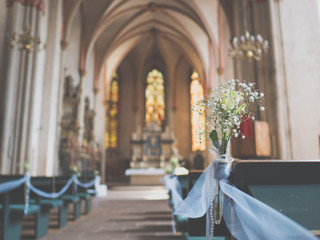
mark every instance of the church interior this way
{"type": "Point", "coordinates": [102, 91]}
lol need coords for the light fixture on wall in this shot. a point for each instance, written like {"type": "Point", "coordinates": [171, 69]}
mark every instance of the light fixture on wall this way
{"type": "Point", "coordinates": [248, 46]}
{"type": "Point", "coordinates": [25, 41]}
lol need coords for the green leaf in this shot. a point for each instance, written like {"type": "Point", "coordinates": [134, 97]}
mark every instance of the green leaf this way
{"type": "Point", "coordinates": [214, 138]}
{"type": "Point", "coordinates": [241, 108]}
{"type": "Point", "coordinates": [224, 144]}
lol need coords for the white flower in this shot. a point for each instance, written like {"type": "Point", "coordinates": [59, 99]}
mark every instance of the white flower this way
{"type": "Point", "coordinates": [227, 105]}
{"type": "Point", "coordinates": [252, 118]}
{"type": "Point", "coordinates": [243, 137]}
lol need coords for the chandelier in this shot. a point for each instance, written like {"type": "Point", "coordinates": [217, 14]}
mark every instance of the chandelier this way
{"type": "Point", "coordinates": [249, 46]}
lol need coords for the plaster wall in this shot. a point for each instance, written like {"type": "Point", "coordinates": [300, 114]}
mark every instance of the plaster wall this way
{"type": "Point", "coordinates": [227, 61]}
{"type": "Point", "coordinates": [300, 54]}
{"type": "Point", "coordinates": [72, 53]}
{"type": "Point", "coordinates": [209, 10]}
{"type": "Point", "coordinates": [182, 122]}
{"type": "Point", "coordinates": [99, 121]}
{"type": "Point", "coordinates": [200, 38]}
{"type": "Point", "coordinates": [126, 112]}
{"type": "Point", "coordinates": [99, 127]}
{"type": "Point", "coordinates": [87, 83]}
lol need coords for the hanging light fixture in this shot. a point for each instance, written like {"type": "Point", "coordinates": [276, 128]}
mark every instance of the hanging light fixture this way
{"type": "Point", "coordinates": [248, 46]}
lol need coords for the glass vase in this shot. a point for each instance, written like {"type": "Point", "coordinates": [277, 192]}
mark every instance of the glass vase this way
{"type": "Point", "coordinates": [222, 170]}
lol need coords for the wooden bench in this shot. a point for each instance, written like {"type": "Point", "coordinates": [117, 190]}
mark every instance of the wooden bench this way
{"type": "Point", "coordinates": [13, 212]}
{"type": "Point", "coordinates": [45, 184]}
{"type": "Point", "coordinates": [291, 187]}
{"type": "Point", "coordinates": [86, 194]}
{"type": "Point", "coordinates": [181, 222]}
{"type": "Point", "coordinates": [196, 227]}
{"type": "Point", "coordinates": [70, 197]}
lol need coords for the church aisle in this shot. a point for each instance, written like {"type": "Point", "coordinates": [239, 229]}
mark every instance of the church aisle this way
{"type": "Point", "coordinates": [128, 212]}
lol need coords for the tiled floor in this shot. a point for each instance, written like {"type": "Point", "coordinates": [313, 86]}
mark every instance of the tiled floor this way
{"type": "Point", "coordinates": [126, 213]}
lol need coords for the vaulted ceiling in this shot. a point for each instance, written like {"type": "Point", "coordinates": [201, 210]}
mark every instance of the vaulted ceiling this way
{"type": "Point", "coordinates": [114, 28]}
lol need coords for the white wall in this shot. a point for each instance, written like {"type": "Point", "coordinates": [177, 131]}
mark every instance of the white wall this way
{"type": "Point", "coordinates": [72, 53]}
{"type": "Point", "coordinates": [126, 112]}
{"type": "Point", "coordinates": [182, 115]}
{"type": "Point", "coordinates": [297, 72]}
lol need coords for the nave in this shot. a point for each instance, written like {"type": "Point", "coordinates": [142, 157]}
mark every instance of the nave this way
{"type": "Point", "coordinates": [127, 212]}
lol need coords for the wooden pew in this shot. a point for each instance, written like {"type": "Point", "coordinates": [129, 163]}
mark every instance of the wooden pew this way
{"type": "Point", "coordinates": [291, 187]}
{"type": "Point", "coordinates": [12, 212]}
{"type": "Point", "coordinates": [196, 228]}
{"type": "Point", "coordinates": [46, 184]}
{"type": "Point", "coordinates": [86, 195]}
{"type": "Point", "coordinates": [70, 197]}
{"type": "Point", "coordinates": [181, 222]}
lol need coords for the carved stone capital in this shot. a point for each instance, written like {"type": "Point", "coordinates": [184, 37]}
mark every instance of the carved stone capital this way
{"type": "Point", "coordinates": [63, 44]}
{"type": "Point", "coordinates": [95, 91]}
{"type": "Point", "coordinates": [220, 70]}
{"type": "Point", "coordinates": [82, 72]}
{"type": "Point", "coordinates": [11, 38]}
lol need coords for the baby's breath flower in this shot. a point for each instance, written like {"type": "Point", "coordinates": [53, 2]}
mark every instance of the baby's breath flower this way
{"type": "Point", "coordinates": [228, 105]}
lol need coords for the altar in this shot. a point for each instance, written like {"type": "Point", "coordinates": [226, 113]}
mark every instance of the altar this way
{"type": "Point", "coordinates": [152, 149]}
{"type": "Point", "coordinates": [147, 176]}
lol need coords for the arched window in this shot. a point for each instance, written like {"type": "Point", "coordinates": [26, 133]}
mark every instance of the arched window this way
{"type": "Point", "coordinates": [155, 103]}
{"type": "Point", "coordinates": [112, 114]}
{"type": "Point", "coordinates": [196, 92]}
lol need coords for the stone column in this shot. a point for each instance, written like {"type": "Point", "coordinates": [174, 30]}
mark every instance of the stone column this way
{"type": "Point", "coordinates": [23, 42]}
{"type": "Point", "coordinates": [53, 76]}
{"type": "Point", "coordinates": [82, 74]}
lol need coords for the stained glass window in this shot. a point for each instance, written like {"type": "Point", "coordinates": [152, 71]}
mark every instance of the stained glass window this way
{"type": "Point", "coordinates": [196, 92]}
{"type": "Point", "coordinates": [112, 114]}
{"type": "Point", "coordinates": [155, 103]}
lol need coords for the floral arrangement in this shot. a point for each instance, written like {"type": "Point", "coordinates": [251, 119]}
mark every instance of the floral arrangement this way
{"type": "Point", "coordinates": [228, 106]}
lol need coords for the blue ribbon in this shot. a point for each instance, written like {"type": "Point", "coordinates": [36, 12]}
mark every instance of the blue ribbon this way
{"type": "Point", "coordinates": [173, 185]}
{"type": "Point", "coordinates": [85, 185]}
{"type": "Point", "coordinates": [52, 195]}
{"type": "Point", "coordinates": [11, 185]}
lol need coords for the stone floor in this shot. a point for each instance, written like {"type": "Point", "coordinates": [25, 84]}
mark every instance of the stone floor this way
{"type": "Point", "coordinates": [127, 212]}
